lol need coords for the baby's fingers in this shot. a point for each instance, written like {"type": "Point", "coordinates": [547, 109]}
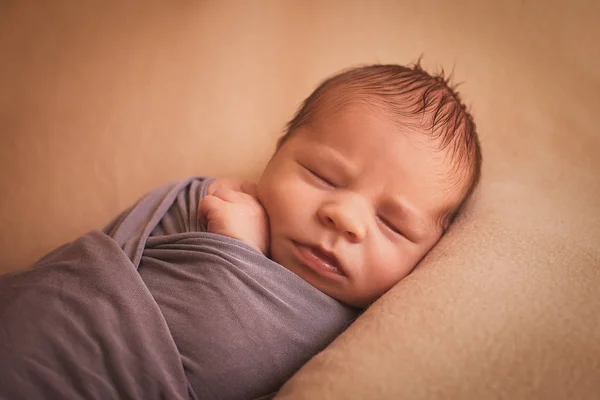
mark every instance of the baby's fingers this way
{"type": "Point", "coordinates": [234, 199]}
{"type": "Point", "coordinates": [211, 210]}
{"type": "Point", "coordinates": [229, 195]}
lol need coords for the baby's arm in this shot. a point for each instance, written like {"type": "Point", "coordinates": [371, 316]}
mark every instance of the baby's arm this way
{"type": "Point", "coordinates": [231, 208]}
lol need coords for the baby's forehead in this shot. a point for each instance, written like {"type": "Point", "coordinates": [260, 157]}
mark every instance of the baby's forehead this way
{"type": "Point", "coordinates": [406, 129]}
{"type": "Point", "coordinates": [403, 111]}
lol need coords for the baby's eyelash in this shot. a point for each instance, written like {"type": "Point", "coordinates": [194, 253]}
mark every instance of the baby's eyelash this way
{"type": "Point", "coordinates": [319, 177]}
{"type": "Point", "coordinates": [390, 226]}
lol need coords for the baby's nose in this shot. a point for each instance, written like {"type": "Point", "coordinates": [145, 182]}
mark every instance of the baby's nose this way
{"type": "Point", "coordinates": [346, 217]}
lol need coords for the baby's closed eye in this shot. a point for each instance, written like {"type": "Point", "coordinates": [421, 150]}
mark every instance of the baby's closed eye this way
{"type": "Point", "coordinates": [320, 176]}
{"type": "Point", "coordinates": [390, 226]}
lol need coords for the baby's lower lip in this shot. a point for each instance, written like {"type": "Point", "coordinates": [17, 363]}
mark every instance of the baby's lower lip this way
{"type": "Point", "coordinates": [316, 262]}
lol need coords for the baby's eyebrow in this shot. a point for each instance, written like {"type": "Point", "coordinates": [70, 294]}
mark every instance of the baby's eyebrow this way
{"type": "Point", "coordinates": [417, 225]}
{"type": "Point", "coordinates": [336, 159]}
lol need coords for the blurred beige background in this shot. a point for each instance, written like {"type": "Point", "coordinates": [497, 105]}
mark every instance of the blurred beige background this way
{"type": "Point", "coordinates": [101, 101]}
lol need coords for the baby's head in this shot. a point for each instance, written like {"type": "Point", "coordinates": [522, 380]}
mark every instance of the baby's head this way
{"type": "Point", "coordinates": [370, 173]}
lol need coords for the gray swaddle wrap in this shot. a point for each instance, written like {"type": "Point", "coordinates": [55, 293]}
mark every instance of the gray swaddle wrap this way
{"type": "Point", "coordinates": [155, 307]}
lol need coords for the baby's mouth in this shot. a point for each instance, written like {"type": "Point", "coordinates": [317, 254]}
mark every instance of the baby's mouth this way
{"type": "Point", "coordinates": [329, 259]}
{"type": "Point", "coordinates": [320, 259]}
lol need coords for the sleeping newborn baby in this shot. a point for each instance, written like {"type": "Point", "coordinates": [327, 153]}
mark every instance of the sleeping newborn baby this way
{"type": "Point", "coordinates": [222, 289]}
{"type": "Point", "coordinates": [370, 173]}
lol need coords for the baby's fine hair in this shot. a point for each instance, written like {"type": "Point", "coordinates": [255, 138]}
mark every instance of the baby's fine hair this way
{"type": "Point", "coordinates": [417, 101]}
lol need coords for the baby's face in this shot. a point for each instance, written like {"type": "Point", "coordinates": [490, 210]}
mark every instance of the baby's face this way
{"type": "Point", "coordinates": [352, 203]}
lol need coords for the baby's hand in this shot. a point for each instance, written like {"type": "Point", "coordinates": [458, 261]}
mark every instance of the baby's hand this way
{"type": "Point", "coordinates": [232, 209]}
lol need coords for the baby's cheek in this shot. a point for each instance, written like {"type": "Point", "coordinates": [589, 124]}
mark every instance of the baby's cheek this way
{"type": "Point", "coordinates": [274, 208]}
{"type": "Point", "coordinates": [284, 199]}
{"type": "Point", "coordinates": [390, 265]}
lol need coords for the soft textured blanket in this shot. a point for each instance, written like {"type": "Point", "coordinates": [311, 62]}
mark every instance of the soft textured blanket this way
{"type": "Point", "coordinates": [154, 307]}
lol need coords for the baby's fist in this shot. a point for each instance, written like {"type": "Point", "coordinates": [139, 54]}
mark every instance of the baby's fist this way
{"type": "Point", "coordinates": [231, 208]}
